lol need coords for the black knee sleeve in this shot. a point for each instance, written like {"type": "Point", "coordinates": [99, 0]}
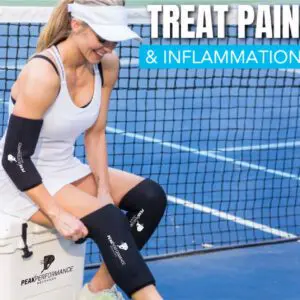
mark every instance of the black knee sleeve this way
{"type": "Point", "coordinates": [109, 229]}
{"type": "Point", "coordinates": [146, 204]}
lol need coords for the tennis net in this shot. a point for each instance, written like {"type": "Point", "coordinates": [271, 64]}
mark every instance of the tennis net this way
{"type": "Point", "coordinates": [222, 143]}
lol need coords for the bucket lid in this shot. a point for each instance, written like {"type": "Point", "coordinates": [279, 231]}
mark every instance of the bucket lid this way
{"type": "Point", "coordinates": [11, 233]}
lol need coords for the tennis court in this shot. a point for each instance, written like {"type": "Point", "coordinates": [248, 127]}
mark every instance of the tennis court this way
{"type": "Point", "coordinates": [225, 146]}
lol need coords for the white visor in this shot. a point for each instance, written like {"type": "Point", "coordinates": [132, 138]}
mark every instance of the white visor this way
{"type": "Point", "coordinates": [109, 22]}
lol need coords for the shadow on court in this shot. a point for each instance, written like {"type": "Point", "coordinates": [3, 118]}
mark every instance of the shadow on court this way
{"type": "Point", "coordinates": [269, 272]}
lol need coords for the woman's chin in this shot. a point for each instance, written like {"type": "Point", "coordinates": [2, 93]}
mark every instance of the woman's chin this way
{"type": "Point", "coordinates": [98, 55]}
{"type": "Point", "coordinates": [94, 57]}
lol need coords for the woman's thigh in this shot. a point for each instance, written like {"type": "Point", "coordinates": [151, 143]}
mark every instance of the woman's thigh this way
{"type": "Point", "coordinates": [74, 201]}
{"type": "Point", "coordinates": [120, 183]}
{"type": "Point", "coordinates": [79, 198]}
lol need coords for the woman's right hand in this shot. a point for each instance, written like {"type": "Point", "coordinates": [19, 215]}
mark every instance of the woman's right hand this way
{"type": "Point", "coordinates": [67, 225]}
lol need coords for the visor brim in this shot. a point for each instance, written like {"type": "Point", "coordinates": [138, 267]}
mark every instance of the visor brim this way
{"type": "Point", "coordinates": [115, 33]}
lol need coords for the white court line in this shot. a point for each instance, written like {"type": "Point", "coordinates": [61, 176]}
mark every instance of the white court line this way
{"type": "Point", "coordinates": [260, 147]}
{"type": "Point", "coordinates": [210, 154]}
{"type": "Point", "coordinates": [206, 209]}
{"type": "Point", "coordinates": [11, 67]}
{"type": "Point", "coordinates": [230, 217]}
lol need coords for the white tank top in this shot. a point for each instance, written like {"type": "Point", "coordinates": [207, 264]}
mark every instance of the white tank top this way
{"type": "Point", "coordinates": [63, 123]}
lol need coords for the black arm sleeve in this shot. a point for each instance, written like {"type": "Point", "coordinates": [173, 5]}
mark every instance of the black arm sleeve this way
{"type": "Point", "coordinates": [20, 143]}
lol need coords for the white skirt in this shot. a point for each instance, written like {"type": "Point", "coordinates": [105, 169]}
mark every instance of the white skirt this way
{"type": "Point", "coordinates": [18, 204]}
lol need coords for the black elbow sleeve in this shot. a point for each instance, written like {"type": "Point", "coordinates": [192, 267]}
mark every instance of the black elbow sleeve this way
{"type": "Point", "coordinates": [20, 143]}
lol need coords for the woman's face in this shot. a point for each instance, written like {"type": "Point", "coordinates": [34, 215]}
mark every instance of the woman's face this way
{"type": "Point", "coordinates": [100, 46]}
{"type": "Point", "coordinates": [92, 46]}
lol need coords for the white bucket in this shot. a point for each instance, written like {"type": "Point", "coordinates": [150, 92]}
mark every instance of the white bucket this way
{"type": "Point", "coordinates": [37, 264]}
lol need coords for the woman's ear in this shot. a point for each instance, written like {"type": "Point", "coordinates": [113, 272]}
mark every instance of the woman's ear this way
{"type": "Point", "coordinates": [76, 26]}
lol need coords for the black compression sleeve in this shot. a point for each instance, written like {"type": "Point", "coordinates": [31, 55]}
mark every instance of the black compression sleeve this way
{"type": "Point", "coordinates": [109, 229]}
{"type": "Point", "coordinates": [20, 143]}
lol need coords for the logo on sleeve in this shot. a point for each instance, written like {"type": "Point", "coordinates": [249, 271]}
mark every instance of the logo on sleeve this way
{"type": "Point", "coordinates": [139, 227]}
{"type": "Point", "coordinates": [135, 221]}
{"type": "Point", "coordinates": [11, 158]}
{"type": "Point", "coordinates": [123, 246]}
{"type": "Point", "coordinates": [19, 160]}
{"type": "Point", "coordinates": [115, 249]}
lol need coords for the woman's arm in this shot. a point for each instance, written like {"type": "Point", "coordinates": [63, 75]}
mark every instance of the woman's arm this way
{"type": "Point", "coordinates": [32, 103]}
{"type": "Point", "coordinates": [35, 91]}
{"type": "Point", "coordinates": [95, 139]}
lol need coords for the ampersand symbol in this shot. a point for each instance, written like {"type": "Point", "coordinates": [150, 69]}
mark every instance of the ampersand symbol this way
{"type": "Point", "coordinates": [151, 59]}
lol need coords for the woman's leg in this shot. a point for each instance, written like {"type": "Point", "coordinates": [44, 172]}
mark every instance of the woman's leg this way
{"type": "Point", "coordinates": [81, 196]}
{"type": "Point", "coordinates": [120, 183]}
{"type": "Point", "coordinates": [132, 192]}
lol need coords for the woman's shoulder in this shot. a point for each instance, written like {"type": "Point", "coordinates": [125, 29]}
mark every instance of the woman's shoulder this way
{"type": "Point", "coordinates": [110, 61]}
{"type": "Point", "coordinates": [45, 59]}
{"type": "Point", "coordinates": [41, 66]}
{"type": "Point", "coordinates": [37, 80]}
{"type": "Point", "coordinates": [110, 65]}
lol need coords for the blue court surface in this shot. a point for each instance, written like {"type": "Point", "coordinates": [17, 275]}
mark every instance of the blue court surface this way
{"type": "Point", "coordinates": [225, 146]}
{"type": "Point", "coordinates": [268, 272]}
{"type": "Point", "coordinates": [231, 176]}
{"type": "Point", "coordinates": [257, 273]}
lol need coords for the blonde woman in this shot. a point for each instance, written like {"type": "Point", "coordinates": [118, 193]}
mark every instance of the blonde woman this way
{"type": "Point", "coordinates": [64, 91]}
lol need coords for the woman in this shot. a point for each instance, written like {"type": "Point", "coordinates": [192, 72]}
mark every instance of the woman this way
{"type": "Point", "coordinates": [62, 92]}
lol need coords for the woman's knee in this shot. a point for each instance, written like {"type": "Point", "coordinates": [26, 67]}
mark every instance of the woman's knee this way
{"type": "Point", "coordinates": [153, 193]}
{"type": "Point", "coordinates": [147, 193]}
{"type": "Point", "coordinates": [145, 205]}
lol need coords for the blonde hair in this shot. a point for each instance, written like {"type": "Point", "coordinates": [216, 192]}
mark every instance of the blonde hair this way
{"type": "Point", "coordinates": [58, 27]}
